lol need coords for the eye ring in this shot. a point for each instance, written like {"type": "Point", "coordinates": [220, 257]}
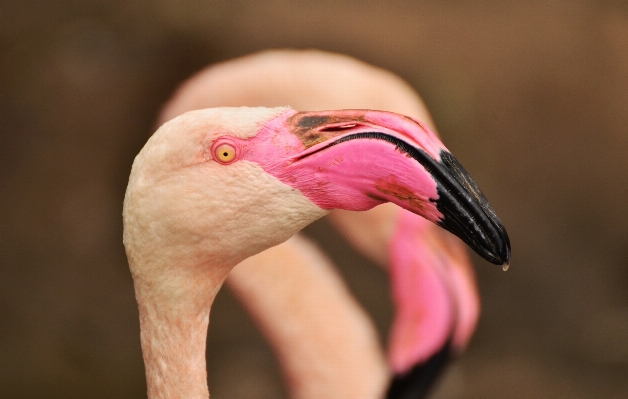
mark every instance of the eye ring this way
{"type": "Point", "coordinates": [224, 153]}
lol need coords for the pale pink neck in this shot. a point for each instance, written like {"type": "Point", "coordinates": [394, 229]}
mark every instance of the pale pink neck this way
{"type": "Point", "coordinates": [174, 354]}
{"type": "Point", "coordinates": [174, 325]}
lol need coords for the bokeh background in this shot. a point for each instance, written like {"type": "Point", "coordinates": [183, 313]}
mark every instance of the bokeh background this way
{"type": "Point", "coordinates": [530, 96]}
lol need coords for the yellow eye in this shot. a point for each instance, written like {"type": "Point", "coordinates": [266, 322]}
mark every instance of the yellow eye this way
{"type": "Point", "coordinates": [225, 153]}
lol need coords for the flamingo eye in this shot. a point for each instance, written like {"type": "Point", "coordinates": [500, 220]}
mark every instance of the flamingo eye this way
{"type": "Point", "coordinates": [225, 153]}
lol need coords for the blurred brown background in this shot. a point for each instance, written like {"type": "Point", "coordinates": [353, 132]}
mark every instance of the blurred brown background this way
{"type": "Point", "coordinates": [530, 96]}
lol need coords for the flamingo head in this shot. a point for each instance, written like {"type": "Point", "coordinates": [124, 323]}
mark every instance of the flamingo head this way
{"type": "Point", "coordinates": [233, 181]}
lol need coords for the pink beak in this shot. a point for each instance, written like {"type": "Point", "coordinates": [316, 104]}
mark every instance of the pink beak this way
{"type": "Point", "coordinates": [357, 159]}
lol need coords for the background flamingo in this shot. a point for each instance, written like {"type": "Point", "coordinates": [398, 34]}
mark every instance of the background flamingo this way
{"type": "Point", "coordinates": [327, 355]}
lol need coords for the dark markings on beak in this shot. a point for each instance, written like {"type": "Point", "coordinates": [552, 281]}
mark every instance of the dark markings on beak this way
{"type": "Point", "coordinates": [315, 129]}
{"type": "Point", "coordinates": [466, 212]}
{"type": "Point", "coordinates": [310, 122]}
{"type": "Point", "coordinates": [418, 381]}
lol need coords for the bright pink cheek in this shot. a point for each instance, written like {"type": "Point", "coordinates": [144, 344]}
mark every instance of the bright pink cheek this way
{"type": "Point", "coordinates": [360, 174]}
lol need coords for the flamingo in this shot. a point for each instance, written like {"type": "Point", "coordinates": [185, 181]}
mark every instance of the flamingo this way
{"type": "Point", "coordinates": [182, 235]}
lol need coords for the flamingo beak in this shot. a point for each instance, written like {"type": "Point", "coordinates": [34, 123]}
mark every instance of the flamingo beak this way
{"type": "Point", "coordinates": [462, 208]}
{"type": "Point", "coordinates": [357, 159]}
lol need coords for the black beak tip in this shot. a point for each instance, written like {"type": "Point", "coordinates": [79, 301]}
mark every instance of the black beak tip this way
{"type": "Point", "coordinates": [467, 213]}
{"type": "Point", "coordinates": [501, 254]}
{"type": "Point", "coordinates": [492, 243]}
{"type": "Point", "coordinates": [505, 255]}
{"type": "Point", "coordinates": [496, 242]}
{"type": "Point", "coordinates": [483, 232]}
{"type": "Point", "coordinates": [499, 258]}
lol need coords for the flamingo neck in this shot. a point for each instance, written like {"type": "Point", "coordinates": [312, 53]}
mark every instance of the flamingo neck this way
{"type": "Point", "coordinates": [174, 320]}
